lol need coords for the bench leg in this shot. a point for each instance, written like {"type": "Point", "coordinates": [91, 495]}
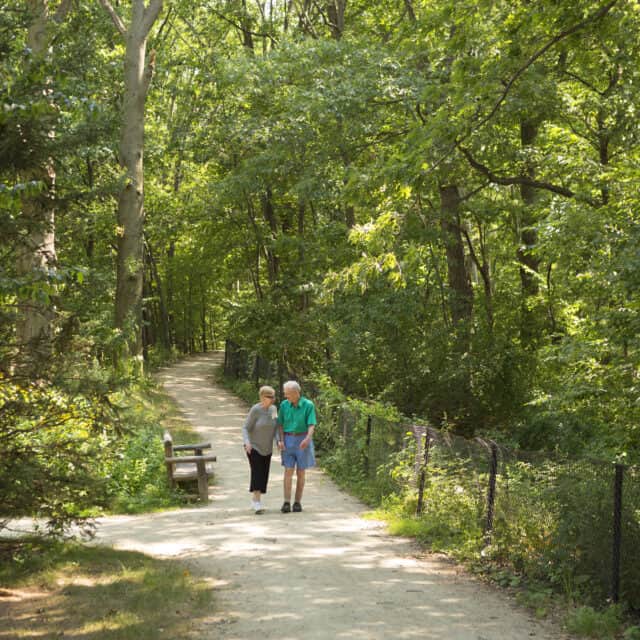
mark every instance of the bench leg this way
{"type": "Point", "coordinates": [203, 482]}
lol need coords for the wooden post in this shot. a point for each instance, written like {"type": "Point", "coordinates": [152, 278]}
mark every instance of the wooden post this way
{"type": "Point", "coordinates": [617, 533]}
{"type": "Point", "coordinates": [367, 445]}
{"type": "Point", "coordinates": [491, 493]}
{"type": "Point", "coordinates": [168, 453]}
{"type": "Point", "coordinates": [423, 473]}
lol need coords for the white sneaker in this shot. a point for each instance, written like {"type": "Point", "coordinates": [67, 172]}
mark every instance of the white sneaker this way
{"type": "Point", "coordinates": [257, 507]}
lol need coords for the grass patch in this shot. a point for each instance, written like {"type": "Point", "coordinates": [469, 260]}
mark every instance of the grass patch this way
{"type": "Point", "coordinates": [136, 474]}
{"type": "Point", "coordinates": [587, 622]}
{"type": "Point", "coordinates": [53, 589]}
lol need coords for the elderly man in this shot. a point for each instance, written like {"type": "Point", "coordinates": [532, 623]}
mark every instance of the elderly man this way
{"type": "Point", "coordinates": [296, 423]}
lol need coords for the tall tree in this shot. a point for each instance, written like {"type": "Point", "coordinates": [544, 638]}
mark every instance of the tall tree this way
{"type": "Point", "coordinates": [36, 252]}
{"type": "Point", "coordinates": [138, 71]}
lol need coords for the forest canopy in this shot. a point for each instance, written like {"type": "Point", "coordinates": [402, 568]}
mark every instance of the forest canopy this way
{"type": "Point", "coordinates": [433, 204]}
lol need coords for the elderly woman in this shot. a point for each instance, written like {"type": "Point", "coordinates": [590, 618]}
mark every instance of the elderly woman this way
{"type": "Point", "coordinates": [258, 433]}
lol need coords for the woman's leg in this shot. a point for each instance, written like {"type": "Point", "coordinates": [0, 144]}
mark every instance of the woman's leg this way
{"type": "Point", "coordinates": [260, 466]}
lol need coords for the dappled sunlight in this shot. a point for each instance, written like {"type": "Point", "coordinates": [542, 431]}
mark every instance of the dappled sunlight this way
{"type": "Point", "coordinates": [323, 573]}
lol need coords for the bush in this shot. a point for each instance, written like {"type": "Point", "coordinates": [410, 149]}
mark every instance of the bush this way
{"type": "Point", "coordinates": [49, 446]}
{"type": "Point", "coordinates": [588, 622]}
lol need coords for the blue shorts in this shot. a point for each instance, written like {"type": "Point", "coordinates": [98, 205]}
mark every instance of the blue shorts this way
{"type": "Point", "coordinates": [294, 456]}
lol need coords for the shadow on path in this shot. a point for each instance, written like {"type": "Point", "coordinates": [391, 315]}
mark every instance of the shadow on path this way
{"type": "Point", "coordinates": [323, 573]}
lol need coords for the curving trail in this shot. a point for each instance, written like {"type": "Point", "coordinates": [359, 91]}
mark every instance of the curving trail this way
{"type": "Point", "coordinates": [324, 573]}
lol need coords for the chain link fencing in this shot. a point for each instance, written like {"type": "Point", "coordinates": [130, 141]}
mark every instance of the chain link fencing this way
{"type": "Point", "coordinates": [572, 523]}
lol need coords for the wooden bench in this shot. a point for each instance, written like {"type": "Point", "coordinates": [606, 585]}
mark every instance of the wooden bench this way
{"type": "Point", "coordinates": [187, 468]}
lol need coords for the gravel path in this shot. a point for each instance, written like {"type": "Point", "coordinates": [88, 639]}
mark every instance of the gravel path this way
{"type": "Point", "coordinates": [321, 574]}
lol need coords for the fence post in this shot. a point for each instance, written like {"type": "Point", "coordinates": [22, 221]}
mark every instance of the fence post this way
{"type": "Point", "coordinates": [423, 473]}
{"type": "Point", "coordinates": [617, 533]}
{"type": "Point", "coordinates": [256, 370]}
{"type": "Point", "coordinates": [491, 494]}
{"type": "Point", "coordinates": [367, 445]}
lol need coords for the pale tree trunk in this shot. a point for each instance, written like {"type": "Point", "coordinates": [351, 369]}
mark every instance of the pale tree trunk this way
{"type": "Point", "coordinates": [36, 254]}
{"type": "Point", "coordinates": [138, 72]}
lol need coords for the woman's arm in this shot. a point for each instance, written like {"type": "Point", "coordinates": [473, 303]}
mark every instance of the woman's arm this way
{"type": "Point", "coordinates": [248, 426]}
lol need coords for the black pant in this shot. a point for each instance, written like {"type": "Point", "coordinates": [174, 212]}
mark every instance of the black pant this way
{"type": "Point", "coordinates": [259, 471]}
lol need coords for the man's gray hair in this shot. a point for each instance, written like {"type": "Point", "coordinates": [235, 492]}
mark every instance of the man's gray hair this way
{"type": "Point", "coordinates": [292, 384]}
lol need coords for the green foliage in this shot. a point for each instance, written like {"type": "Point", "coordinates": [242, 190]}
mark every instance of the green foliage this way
{"type": "Point", "coordinates": [135, 472]}
{"type": "Point", "coordinates": [631, 633]}
{"type": "Point", "coordinates": [50, 445]}
{"type": "Point", "coordinates": [587, 622]}
{"type": "Point", "coordinates": [73, 450]}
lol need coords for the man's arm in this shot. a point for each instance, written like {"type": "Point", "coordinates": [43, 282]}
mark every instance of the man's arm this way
{"type": "Point", "coordinates": [279, 430]}
{"type": "Point", "coordinates": [311, 426]}
{"type": "Point", "coordinates": [307, 439]}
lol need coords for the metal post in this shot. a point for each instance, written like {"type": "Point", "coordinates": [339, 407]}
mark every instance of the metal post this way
{"type": "Point", "coordinates": [367, 445]}
{"type": "Point", "coordinates": [423, 473]}
{"type": "Point", "coordinates": [617, 533]}
{"type": "Point", "coordinates": [491, 494]}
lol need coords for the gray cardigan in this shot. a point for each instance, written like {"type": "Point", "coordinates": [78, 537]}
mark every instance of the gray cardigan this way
{"type": "Point", "coordinates": [259, 428]}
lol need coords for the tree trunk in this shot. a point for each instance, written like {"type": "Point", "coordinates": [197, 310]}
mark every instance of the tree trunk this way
{"type": "Point", "coordinates": [247, 35]}
{"type": "Point", "coordinates": [273, 261]}
{"type": "Point", "coordinates": [528, 233]}
{"type": "Point", "coordinates": [461, 292]}
{"type": "Point", "coordinates": [529, 262]}
{"type": "Point", "coordinates": [36, 254]}
{"type": "Point", "coordinates": [162, 304]}
{"type": "Point", "coordinates": [171, 316]}
{"type": "Point", "coordinates": [137, 77]}
{"type": "Point", "coordinates": [335, 13]}
{"type": "Point", "coordinates": [203, 311]}
{"type": "Point", "coordinates": [131, 203]}
{"type": "Point", "coordinates": [459, 399]}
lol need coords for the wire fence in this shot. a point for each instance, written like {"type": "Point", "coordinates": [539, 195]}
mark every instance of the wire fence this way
{"type": "Point", "coordinates": [572, 523]}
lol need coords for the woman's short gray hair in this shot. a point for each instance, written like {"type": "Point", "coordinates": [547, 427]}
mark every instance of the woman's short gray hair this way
{"type": "Point", "coordinates": [267, 392]}
{"type": "Point", "coordinates": [292, 384]}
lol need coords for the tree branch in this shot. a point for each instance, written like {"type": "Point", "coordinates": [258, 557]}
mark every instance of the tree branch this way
{"type": "Point", "coordinates": [149, 69]}
{"type": "Point", "coordinates": [410, 11]}
{"type": "Point", "coordinates": [512, 180]}
{"type": "Point", "coordinates": [257, 34]}
{"type": "Point", "coordinates": [115, 18]}
{"type": "Point", "coordinates": [62, 11]}
{"type": "Point", "coordinates": [151, 14]}
{"type": "Point", "coordinates": [540, 52]}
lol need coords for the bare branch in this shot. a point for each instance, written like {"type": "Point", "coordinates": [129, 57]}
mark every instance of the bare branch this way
{"type": "Point", "coordinates": [512, 180]}
{"type": "Point", "coordinates": [115, 18]}
{"type": "Point", "coordinates": [257, 34]}
{"type": "Point", "coordinates": [584, 82]}
{"type": "Point", "coordinates": [164, 24]}
{"type": "Point", "coordinates": [151, 14]}
{"type": "Point", "coordinates": [408, 5]}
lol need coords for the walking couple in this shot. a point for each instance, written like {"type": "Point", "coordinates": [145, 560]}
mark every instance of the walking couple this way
{"type": "Point", "coordinates": [291, 429]}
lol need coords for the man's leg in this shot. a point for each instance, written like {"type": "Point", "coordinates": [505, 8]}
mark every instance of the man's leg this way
{"type": "Point", "coordinates": [288, 477]}
{"type": "Point", "coordinates": [300, 476]}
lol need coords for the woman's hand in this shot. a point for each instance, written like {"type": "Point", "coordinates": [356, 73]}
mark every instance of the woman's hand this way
{"type": "Point", "coordinates": [248, 448]}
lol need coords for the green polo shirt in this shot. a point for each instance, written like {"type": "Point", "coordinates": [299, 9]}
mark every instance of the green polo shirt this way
{"type": "Point", "coordinates": [297, 419]}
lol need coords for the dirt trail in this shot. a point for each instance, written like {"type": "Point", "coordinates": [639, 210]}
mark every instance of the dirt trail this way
{"type": "Point", "coordinates": [321, 574]}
